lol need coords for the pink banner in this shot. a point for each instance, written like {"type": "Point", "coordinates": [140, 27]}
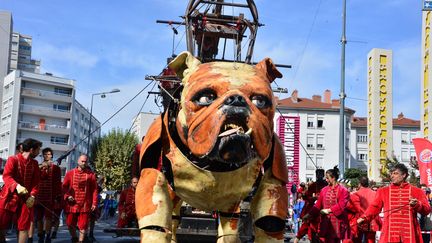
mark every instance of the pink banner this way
{"type": "Point", "coordinates": [423, 148]}
{"type": "Point", "coordinates": [288, 129]}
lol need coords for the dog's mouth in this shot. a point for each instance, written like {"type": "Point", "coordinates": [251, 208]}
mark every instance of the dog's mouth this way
{"type": "Point", "coordinates": [233, 148]}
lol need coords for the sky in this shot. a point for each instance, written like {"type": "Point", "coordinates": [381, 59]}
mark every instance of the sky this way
{"type": "Point", "coordinates": [104, 45]}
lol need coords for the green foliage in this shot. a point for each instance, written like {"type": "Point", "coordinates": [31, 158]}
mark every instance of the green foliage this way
{"type": "Point", "coordinates": [112, 157]}
{"type": "Point", "coordinates": [414, 179]}
{"type": "Point", "coordinates": [353, 174]}
{"type": "Point", "coordinates": [386, 168]}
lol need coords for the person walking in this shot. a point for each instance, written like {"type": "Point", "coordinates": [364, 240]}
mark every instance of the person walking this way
{"type": "Point", "coordinates": [126, 206]}
{"type": "Point", "coordinates": [401, 202]}
{"type": "Point", "coordinates": [360, 201]}
{"type": "Point", "coordinates": [50, 192]}
{"type": "Point", "coordinates": [21, 177]}
{"type": "Point", "coordinates": [310, 226]}
{"type": "Point", "coordinates": [80, 194]}
{"type": "Point", "coordinates": [331, 203]}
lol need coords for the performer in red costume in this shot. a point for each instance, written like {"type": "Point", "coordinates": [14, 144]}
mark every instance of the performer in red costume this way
{"type": "Point", "coordinates": [80, 193]}
{"type": "Point", "coordinates": [360, 201]}
{"type": "Point", "coordinates": [21, 177]}
{"type": "Point", "coordinates": [310, 226]}
{"type": "Point", "coordinates": [401, 202]}
{"type": "Point", "coordinates": [126, 206]}
{"type": "Point", "coordinates": [50, 193]}
{"type": "Point", "coordinates": [331, 203]}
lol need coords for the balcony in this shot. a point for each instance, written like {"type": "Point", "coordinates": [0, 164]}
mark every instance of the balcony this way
{"type": "Point", "coordinates": [44, 128]}
{"type": "Point", "coordinates": [46, 111]}
{"type": "Point", "coordinates": [46, 95]}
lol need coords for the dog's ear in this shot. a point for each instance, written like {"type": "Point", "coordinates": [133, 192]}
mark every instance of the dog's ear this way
{"type": "Point", "coordinates": [269, 69]}
{"type": "Point", "coordinates": [184, 64]}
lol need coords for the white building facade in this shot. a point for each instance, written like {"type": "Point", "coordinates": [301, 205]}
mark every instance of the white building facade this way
{"type": "Point", "coordinates": [142, 122]}
{"type": "Point", "coordinates": [315, 123]}
{"type": "Point", "coordinates": [404, 130]}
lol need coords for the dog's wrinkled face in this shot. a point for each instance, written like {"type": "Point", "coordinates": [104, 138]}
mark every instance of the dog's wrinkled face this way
{"type": "Point", "coordinates": [226, 111]}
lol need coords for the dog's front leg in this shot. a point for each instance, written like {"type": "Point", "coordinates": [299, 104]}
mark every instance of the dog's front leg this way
{"type": "Point", "coordinates": [269, 210]}
{"type": "Point", "coordinates": [153, 207]}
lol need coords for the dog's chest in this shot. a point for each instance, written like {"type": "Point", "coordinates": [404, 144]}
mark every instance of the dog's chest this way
{"type": "Point", "coordinates": [208, 190]}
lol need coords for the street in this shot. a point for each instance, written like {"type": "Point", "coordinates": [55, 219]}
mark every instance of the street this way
{"type": "Point", "coordinates": [64, 236]}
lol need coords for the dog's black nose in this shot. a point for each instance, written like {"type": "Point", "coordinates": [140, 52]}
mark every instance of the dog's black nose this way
{"type": "Point", "coordinates": [235, 100]}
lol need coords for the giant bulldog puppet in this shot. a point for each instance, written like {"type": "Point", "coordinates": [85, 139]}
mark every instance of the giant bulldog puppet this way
{"type": "Point", "coordinates": [214, 146]}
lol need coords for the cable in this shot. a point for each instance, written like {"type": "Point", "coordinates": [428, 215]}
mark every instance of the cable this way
{"type": "Point", "coordinates": [307, 42]}
{"type": "Point", "coordinates": [141, 108]}
{"type": "Point", "coordinates": [91, 132]}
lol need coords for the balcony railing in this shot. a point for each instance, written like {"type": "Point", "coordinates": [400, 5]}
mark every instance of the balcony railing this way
{"type": "Point", "coordinates": [44, 127]}
{"type": "Point", "coordinates": [46, 111]}
{"type": "Point", "coordinates": [45, 94]}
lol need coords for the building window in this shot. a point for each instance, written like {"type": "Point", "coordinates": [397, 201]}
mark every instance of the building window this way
{"type": "Point", "coordinates": [310, 141]}
{"type": "Point", "coordinates": [362, 138]}
{"type": "Point", "coordinates": [62, 108]}
{"type": "Point", "coordinates": [309, 163]}
{"type": "Point", "coordinates": [59, 140]}
{"type": "Point", "coordinates": [362, 157]}
{"type": "Point", "coordinates": [404, 138]}
{"type": "Point", "coordinates": [319, 160]}
{"type": "Point", "coordinates": [405, 155]}
{"type": "Point", "coordinates": [62, 91]}
{"type": "Point", "coordinates": [310, 122]}
{"type": "Point", "coordinates": [320, 141]}
{"type": "Point", "coordinates": [320, 122]}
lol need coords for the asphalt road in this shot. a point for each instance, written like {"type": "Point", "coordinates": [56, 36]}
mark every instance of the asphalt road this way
{"type": "Point", "coordinates": [63, 235]}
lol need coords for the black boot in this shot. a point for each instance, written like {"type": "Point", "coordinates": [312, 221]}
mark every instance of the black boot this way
{"type": "Point", "coordinates": [41, 237]}
{"type": "Point", "coordinates": [30, 240]}
{"type": "Point", "coordinates": [54, 235]}
{"type": "Point", "coordinates": [48, 239]}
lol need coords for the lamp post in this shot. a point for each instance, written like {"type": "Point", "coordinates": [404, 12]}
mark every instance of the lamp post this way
{"type": "Point", "coordinates": [102, 94]}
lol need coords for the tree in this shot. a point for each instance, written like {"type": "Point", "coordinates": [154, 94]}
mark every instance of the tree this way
{"type": "Point", "coordinates": [112, 157]}
{"type": "Point", "coordinates": [387, 167]}
{"type": "Point", "coordinates": [414, 178]}
{"type": "Point", "coordinates": [353, 174]}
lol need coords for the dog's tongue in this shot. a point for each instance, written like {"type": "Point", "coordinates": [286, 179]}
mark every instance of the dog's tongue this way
{"type": "Point", "coordinates": [231, 131]}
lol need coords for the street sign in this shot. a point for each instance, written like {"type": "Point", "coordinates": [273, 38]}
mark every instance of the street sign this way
{"type": "Point", "coordinates": [427, 5]}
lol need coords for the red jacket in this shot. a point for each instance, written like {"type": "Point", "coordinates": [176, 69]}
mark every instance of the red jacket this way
{"type": "Point", "coordinates": [50, 189]}
{"type": "Point", "coordinates": [334, 225]}
{"type": "Point", "coordinates": [361, 200]}
{"type": "Point", "coordinates": [19, 170]}
{"type": "Point", "coordinates": [82, 186]}
{"type": "Point", "coordinates": [400, 219]}
{"type": "Point", "coordinates": [127, 202]}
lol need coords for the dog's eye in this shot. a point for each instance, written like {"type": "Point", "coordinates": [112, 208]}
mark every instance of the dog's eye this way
{"type": "Point", "coordinates": [260, 101]}
{"type": "Point", "coordinates": [205, 98]}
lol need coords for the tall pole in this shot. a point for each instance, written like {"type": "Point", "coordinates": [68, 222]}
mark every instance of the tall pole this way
{"type": "Point", "coordinates": [342, 95]}
{"type": "Point", "coordinates": [89, 130]}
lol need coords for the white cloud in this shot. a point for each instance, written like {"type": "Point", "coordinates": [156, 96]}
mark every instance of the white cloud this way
{"type": "Point", "coordinates": [70, 55]}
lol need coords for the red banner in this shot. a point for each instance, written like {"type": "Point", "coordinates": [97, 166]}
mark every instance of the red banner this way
{"type": "Point", "coordinates": [423, 148]}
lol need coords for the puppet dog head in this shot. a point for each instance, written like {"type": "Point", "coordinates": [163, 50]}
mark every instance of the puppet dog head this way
{"type": "Point", "coordinates": [226, 111]}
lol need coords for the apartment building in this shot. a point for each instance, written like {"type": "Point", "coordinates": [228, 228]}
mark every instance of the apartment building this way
{"type": "Point", "coordinates": [43, 107]}
{"type": "Point", "coordinates": [404, 130]}
{"type": "Point", "coordinates": [309, 130]}
{"type": "Point", "coordinates": [142, 122]}
{"type": "Point", "coordinates": [80, 132]}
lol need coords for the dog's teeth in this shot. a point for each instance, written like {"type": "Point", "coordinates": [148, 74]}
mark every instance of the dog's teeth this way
{"type": "Point", "coordinates": [249, 132]}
